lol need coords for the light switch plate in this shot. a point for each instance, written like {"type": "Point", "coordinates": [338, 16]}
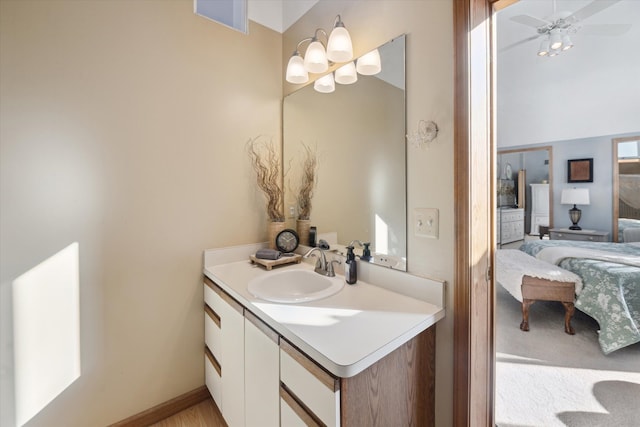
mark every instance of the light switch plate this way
{"type": "Point", "coordinates": [426, 223]}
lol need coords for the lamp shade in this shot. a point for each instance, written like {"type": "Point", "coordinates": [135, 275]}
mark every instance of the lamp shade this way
{"type": "Point", "coordinates": [575, 196]}
{"type": "Point", "coordinates": [295, 70]}
{"type": "Point", "coordinates": [325, 84]}
{"type": "Point", "coordinates": [315, 59]}
{"type": "Point", "coordinates": [369, 63]}
{"type": "Point", "coordinates": [339, 47]}
{"type": "Point", "coordinates": [346, 74]}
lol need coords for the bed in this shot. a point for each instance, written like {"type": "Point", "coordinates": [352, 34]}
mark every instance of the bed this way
{"type": "Point", "coordinates": [610, 274]}
{"type": "Point", "coordinates": [626, 224]}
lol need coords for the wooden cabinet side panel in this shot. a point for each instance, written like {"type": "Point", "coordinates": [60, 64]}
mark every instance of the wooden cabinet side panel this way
{"type": "Point", "coordinates": [397, 390]}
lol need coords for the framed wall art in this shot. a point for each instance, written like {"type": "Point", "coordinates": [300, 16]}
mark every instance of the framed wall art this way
{"type": "Point", "coordinates": [580, 170]}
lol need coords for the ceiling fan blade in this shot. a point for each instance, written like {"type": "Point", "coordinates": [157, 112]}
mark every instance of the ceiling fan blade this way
{"type": "Point", "coordinates": [605, 29]}
{"type": "Point", "coordinates": [518, 43]}
{"type": "Point", "coordinates": [591, 9]}
{"type": "Point", "coordinates": [529, 20]}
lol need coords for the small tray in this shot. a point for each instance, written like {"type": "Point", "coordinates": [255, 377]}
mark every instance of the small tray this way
{"type": "Point", "coordinates": [270, 263]}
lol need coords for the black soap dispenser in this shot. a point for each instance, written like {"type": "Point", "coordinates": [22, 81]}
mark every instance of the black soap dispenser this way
{"type": "Point", "coordinates": [366, 252]}
{"type": "Point", "coordinates": [350, 267]}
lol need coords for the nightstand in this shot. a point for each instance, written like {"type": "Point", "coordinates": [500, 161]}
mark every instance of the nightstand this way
{"type": "Point", "coordinates": [580, 235]}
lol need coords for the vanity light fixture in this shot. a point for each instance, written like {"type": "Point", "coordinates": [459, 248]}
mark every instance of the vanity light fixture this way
{"type": "Point", "coordinates": [325, 84]}
{"type": "Point", "coordinates": [346, 74]}
{"type": "Point", "coordinates": [316, 59]}
{"type": "Point", "coordinates": [369, 64]}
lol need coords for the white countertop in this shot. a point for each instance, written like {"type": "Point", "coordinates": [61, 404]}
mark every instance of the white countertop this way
{"type": "Point", "coordinates": [346, 332]}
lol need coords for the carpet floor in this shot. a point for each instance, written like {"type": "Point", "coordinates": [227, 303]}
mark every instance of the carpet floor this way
{"type": "Point", "coordinates": [545, 377]}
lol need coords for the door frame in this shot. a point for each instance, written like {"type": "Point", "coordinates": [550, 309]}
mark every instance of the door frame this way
{"type": "Point", "coordinates": [474, 166]}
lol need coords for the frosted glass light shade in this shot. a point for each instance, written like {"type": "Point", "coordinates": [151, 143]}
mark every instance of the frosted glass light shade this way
{"type": "Point", "coordinates": [369, 63]}
{"type": "Point", "coordinates": [566, 42]}
{"type": "Point", "coordinates": [346, 74]}
{"type": "Point", "coordinates": [339, 47]}
{"type": "Point", "coordinates": [295, 70]}
{"type": "Point", "coordinates": [325, 84]}
{"type": "Point", "coordinates": [315, 59]}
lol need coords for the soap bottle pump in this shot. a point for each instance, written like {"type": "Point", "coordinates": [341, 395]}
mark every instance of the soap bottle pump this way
{"type": "Point", "coordinates": [350, 267]}
{"type": "Point", "coordinates": [366, 252]}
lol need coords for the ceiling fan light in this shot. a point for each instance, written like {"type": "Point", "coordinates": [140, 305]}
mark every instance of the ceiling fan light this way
{"type": "Point", "coordinates": [544, 48]}
{"type": "Point", "coordinates": [566, 42]}
{"type": "Point", "coordinates": [556, 40]}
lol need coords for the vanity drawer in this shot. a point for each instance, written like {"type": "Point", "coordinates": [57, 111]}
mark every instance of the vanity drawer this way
{"type": "Point", "coordinates": [213, 296]}
{"type": "Point", "coordinates": [310, 386]}
{"type": "Point", "coordinates": [212, 331]}
{"type": "Point", "coordinates": [212, 375]}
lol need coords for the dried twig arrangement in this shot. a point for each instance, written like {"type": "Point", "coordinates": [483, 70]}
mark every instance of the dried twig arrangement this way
{"type": "Point", "coordinates": [266, 164]}
{"type": "Point", "coordinates": [307, 182]}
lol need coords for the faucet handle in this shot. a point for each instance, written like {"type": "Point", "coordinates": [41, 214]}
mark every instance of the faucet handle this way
{"type": "Point", "coordinates": [330, 271]}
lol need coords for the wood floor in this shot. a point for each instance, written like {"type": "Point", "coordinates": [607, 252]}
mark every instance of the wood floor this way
{"type": "Point", "coordinates": [204, 414]}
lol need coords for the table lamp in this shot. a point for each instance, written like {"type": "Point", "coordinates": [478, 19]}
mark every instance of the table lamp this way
{"type": "Point", "coordinates": [575, 196]}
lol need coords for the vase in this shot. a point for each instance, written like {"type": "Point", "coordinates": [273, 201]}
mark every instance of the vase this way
{"type": "Point", "coordinates": [302, 228]}
{"type": "Point", "coordinates": [273, 228]}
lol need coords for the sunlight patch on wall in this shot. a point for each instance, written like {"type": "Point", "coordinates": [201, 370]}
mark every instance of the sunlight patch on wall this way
{"type": "Point", "coordinates": [382, 236]}
{"type": "Point", "coordinates": [46, 328]}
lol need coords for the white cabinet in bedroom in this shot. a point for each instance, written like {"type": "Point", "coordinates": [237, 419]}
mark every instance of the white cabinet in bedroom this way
{"type": "Point", "coordinates": [539, 207]}
{"type": "Point", "coordinates": [509, 225]}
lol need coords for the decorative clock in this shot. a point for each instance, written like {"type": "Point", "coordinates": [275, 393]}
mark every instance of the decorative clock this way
{"type": "Point", "coordinates": [287, 240]}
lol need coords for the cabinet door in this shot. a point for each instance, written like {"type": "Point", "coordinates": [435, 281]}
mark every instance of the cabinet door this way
{"type": "Point", "coordinates": [262, 373]}
{"type": "Point", "coordinates": [232, 363]}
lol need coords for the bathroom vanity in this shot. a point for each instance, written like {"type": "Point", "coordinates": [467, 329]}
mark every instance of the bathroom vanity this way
{"type": "Point", "coordinates": [362, 356]}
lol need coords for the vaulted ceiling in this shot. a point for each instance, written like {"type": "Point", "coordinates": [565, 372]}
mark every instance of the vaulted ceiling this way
{"type": "Point", "coordinates": [592, 89]}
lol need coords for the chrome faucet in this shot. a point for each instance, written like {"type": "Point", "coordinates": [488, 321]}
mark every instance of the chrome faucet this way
{"type": "Point", "coordinates": [322, 266]}
{"type": "Point", "coordinates": [356, 241]}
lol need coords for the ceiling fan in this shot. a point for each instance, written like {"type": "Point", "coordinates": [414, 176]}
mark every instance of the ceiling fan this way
{"type": "Point", "coordinates": [556, 29]}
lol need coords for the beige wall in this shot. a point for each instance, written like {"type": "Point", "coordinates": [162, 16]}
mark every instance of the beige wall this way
{"type": "Point", "coordinates": [429, 28]}
{"type": "Point", "coordinates": [123, 129]}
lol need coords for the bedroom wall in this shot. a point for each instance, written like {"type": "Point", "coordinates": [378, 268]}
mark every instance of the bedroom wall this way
{"type": "Point", "coordinates": [598, 215]}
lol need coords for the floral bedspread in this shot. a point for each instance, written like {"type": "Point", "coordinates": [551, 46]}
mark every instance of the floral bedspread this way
{"type": "Point", "coordinates": [611, 292]}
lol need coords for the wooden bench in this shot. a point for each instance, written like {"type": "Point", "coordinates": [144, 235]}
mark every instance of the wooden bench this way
{"type": "Point", "coordinates": [536, 289]}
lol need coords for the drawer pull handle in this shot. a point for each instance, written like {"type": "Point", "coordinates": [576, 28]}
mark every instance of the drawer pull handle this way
{"type": "Point", "coordinates": [213, 360]}
{"type": "Point", "coordinates": [301, 410]}
{"type": "Point", "coordinates": [212, 314]}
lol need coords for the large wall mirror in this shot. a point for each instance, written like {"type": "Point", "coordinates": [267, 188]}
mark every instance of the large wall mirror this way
{"type": "Point", "coordinates": [358, 132]}
{"type": "Point", "coordinates": [626, 189]}
{"type": "Point", "coordinates": [530, 170]}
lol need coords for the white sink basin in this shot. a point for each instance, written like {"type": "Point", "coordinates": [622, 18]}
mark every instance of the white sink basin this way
{"type": "Point", "coordinates": [292, 286]}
